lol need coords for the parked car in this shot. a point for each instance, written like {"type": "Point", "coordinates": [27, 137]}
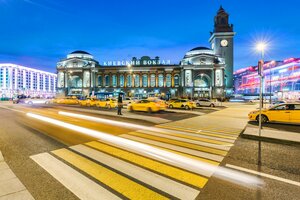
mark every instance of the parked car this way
{"type": "Point", "coordinates": [128, 100]}
{"type": "Point", "coordinates": [182, 103]}
{"type": "Point", "coordinates": [287, 112]}
{"type": "Point", "coordinates": [30, 101]}
{"type": "Point", "coordinates": [206, 102]}
{"type": "Point", "coordinates": [171, 100]}
{"type": "Point", "coordinates": [257, 100]}
{"type": "Point", "coordinates": [68, 100]}
{"type": "Point", "coordinates": [107, 103]}
{"type": "Point", "coordinates": [88, 102]}
{"type": "Point", "coordinates": [144, 105]}
{"type": "Point", "coordinates": [163, 105]}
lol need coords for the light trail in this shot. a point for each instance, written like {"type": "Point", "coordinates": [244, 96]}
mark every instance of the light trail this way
{"type": "Point", "coordinates": [124, 124]}
{"type": "Point", "coordinates": [159, 154]}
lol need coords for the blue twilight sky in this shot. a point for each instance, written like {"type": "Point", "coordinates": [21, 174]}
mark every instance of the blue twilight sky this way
{"type": "Point", "coordinates": [38, 33]}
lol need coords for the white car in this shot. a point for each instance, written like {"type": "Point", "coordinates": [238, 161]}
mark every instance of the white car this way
{"type": "Point", "coordinates": [128, 100]}
{"type": "Point", "coordinates": [206, 102]}
{"type": "Point", "coordinates": [31, 101]}
{"type": "Point", "coordinates": [257, 100]}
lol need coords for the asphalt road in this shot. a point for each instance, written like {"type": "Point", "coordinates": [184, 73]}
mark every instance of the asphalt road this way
{"type": "Point", "coordinates": [277, 159]}
{"type": "Point", "coordinates": [22, 137]}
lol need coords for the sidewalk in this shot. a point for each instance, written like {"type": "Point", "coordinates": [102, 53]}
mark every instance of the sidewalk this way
{"type": "Point", "coordinates": [234, 117]}
{"type": "Point", "coordinates": [272, 135]}
{"type": "Point", "coordinates": [11, 187]}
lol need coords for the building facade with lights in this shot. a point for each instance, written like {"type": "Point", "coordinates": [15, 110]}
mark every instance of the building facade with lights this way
{"type": "Point", "coordinates": [16, 80]}
{"type": "Point", "coordinates": [281, 79]}
{"type": "Point", "coordinates": [203, 72]}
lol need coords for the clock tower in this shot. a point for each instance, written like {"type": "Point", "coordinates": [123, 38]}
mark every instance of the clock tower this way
{"type": "Point", "coordinates": [221, 41]}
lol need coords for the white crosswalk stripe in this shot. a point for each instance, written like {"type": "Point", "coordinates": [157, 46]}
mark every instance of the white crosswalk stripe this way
{"type": "Point", "coordinates": [114, 158]}
{"type": "Point", "coordinates": [172, 187]}
{"type": "Point", "coordinates": [81, 186]}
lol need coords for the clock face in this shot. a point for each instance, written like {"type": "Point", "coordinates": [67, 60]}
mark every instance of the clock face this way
{"type": "Point", "coordinates": [213, 45]}
{"type": "Point", "coordinates": [224, 43]}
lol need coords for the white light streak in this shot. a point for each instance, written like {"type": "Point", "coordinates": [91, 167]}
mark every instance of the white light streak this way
{"type": "Point", "coordinates": [159, 154]}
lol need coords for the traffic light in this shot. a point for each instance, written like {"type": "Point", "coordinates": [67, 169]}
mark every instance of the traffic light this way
{"type": "Point", "coordinates": [260, 67]}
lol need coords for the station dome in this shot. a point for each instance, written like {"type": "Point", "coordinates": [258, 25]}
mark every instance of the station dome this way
{"type": "Point", "coordinates": [199, 50]}
{"type": "Point", "coordinates": [80, 54]}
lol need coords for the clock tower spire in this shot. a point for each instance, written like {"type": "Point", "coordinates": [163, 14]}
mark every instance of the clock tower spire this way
{"type": "Point", "coordinates": [221, 41]}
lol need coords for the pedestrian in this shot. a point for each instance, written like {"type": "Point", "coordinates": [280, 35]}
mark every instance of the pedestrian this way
{"type": "Point", "coordinates": [120, 104]}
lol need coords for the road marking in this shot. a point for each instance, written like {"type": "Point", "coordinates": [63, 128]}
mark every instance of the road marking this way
{"type": "Point", "coordinates": [178, 138]}
{"type": "Point", "coordinates": [20, 111]}
{"type": "Point", "coordinates": [175, 148]}
{"type": "Point", "coordinates": [117, 182]}
{"type": "Point", "coordinates": [197, 137]}
{"type": "Point", "coordinates": [169, 186]}
{"type": "Point", "coordinates": [77, 183]}
{"type": "Point", "coordinates": [164, 169]}
{"type": "Point", "coordinates": [212, 130]}
{"type": "Point", "coordinates": [264, 175]}
{"type": "Point", "coordinates": [214, 134]}
{"type": "Point", "coordinates": [179, 143]}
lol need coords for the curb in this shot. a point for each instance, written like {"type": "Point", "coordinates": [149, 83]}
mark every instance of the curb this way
{"type": "Point", "coordinates": [270, 140]}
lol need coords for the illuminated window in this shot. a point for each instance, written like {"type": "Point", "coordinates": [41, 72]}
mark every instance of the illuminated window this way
{"type": "Point", "coordinates": [137, 81]}
{"type": "Point", "coordinates": [168, 80]}
{"type": "Point", "coordinates": [129, 80]}
{"type": "Point", "coordinates": [107, 79]}
{"type": "Point", "coordinates": [176, 80]}
{"type": "Point", "coordinates": [152, 80]}
{"type": "Point", "coordinates": [114, 80]}
{"type": "Point", "coordinates": [160, 80]}
{"type": "Point", "coordinates": [121, 80]}
{"type": "Point", "coordinates": [145, 80]}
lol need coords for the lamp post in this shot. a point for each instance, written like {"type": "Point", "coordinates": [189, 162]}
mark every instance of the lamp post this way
{"type": "Point", "coordinates": [261, 48]}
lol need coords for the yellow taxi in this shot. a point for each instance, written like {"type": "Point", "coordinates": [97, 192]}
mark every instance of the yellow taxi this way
{"type": "Point", "coordinates": [89, 102]}
{"type": "Point", "coordinates": [107, 103]}
{"type": "Point", "coordinates": [182, 103]}
{"type": "Point", "coordinates": [288, 112]}
{"type": "Point", "coordinates": [144, 105]}
{"type": "Point", "coordinates": [58, 100]}
{"type": "Point", "coordinates": [70, 101]}
{"type": "Point", "coordinates": [163, 105]}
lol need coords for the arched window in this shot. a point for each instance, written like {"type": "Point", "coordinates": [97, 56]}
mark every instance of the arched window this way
{"type": "Point", "coordinates": [137, 81]}
{"type": "Point", "coordinates": [160, 80]}
{"type": "Point", "coordinates": [168, 80]}
{"type": "Point", "coordinates": [129, 80]}
{"type": "Point", "coordinates": [114, 80]}
{"type": "Point", "coordinates": [152, 80]}
{"type": "Point", "coordinates": [145, 80]}
{"type": "Point", "coordinates": [100, 81]}
{"type": "Point", "coordinates": [202, 81]}
{"type": "Point", "coordinates": [176, 80]}
{"type": "Point", "coordinates": [107, 79]}
{"type": "Point", "coordinates": [121, 80]}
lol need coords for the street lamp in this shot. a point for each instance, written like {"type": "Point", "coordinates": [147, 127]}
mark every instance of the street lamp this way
{"type": "Point", "coordinates": [261, 46]}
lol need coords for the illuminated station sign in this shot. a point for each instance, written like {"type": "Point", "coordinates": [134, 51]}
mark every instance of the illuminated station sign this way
{"type": "Point", "coordinates": [136, 62]}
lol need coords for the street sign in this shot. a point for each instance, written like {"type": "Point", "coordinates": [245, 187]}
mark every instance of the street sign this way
{"type": "Point", "coordinates": [260, 68]}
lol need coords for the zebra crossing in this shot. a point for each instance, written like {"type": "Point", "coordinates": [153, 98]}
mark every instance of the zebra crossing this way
{"type": "Point", "coordinates": [105, 170]}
